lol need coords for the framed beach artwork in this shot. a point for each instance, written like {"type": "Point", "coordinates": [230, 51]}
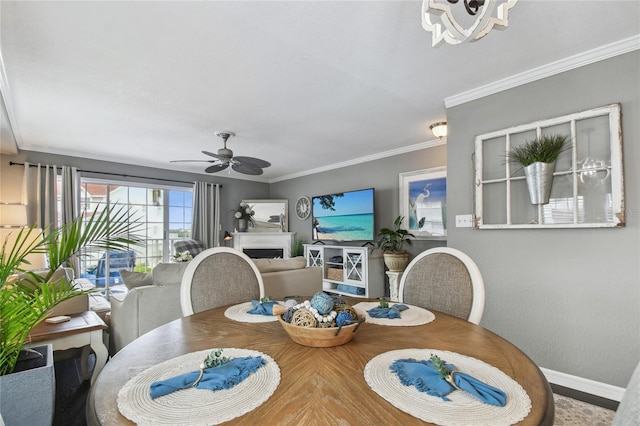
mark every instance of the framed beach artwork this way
{"type": "Point", "coordinates": [423, 202]}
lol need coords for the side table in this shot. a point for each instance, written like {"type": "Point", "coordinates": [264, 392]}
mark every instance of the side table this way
{"type": "Point", "coordinates": [394, 283]}
{"type": "Point", "coordinates": [83, 330]}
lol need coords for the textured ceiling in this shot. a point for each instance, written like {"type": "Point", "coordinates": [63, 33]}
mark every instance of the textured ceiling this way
{"type": "Point", "coordinates": [303, 84]}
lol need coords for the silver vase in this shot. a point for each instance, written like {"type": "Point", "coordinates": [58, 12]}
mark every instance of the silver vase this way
{"type": "Point", "coordinates": [539, 179]}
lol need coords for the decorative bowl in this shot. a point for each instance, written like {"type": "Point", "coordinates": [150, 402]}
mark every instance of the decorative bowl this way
{"type": "Point", "coordinates": [320, 337]}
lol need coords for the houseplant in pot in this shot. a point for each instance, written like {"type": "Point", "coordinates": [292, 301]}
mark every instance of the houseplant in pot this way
{"type": "Point", "coordinates": [392, 241]}
{"type": "Point", "coordinates": [26, 296]}
{"type": "Point", "coordinates": [538, 159]}
{"type": "Point", "coordinates": [244, 216]}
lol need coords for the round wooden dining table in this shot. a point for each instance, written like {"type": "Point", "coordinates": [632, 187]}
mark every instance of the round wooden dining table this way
{"type": "Point", "coordinates": [318, 385]}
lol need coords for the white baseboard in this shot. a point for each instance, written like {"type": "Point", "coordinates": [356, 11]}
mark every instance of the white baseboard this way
{"type": "Point", "coordinates": [581, 384]}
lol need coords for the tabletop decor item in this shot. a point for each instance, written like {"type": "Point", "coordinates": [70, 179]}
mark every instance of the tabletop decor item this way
{"type": "Point", "coordinates": [383, 310]}
{"type": "Point", "coordinates": [438, 378]}
{"type": "Point", "coordinates": [216, 372]}
{"type": "Point", "coordinates": [244, 216]}
{"type": "Point", "coordinates": [264, 306]}
{"type": "Point", "coordinates": [415, 316]}
{"type": "Point", "coordinates": [194, 406]}
{"type": "Point", "coordinates": [463, 409]}
{"type": "Point", "coordinates": [322, 322]}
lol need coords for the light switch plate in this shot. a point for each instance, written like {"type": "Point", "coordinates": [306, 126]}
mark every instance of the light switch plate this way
{"type": "Point", "coordinates": [464, 221]}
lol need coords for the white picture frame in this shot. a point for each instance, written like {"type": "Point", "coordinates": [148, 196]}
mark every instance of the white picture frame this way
{"type": "Point", "coordinates": [423, 197]}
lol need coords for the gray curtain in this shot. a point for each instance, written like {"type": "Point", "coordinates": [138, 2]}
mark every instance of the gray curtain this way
{"type": "Point", "coordinates": [40, 194]}
{"type": "Point", "coordinates": [205, 223]}
{"type": "Point", "coordinates": [41, 197]}
{"type": "Point", "coordinates": [69, 194]}
{"type": "Point", "coordinates": [70, 204]}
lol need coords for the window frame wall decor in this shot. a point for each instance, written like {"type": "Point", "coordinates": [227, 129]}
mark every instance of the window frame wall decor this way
{"type": "Point", "coordinates": [408, 183]}
{"type": "Point", "coordinates": [587, 186]}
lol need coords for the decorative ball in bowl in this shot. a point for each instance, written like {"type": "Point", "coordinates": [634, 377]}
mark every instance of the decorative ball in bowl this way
{"type": "Point", "coordinates": [321, 322]}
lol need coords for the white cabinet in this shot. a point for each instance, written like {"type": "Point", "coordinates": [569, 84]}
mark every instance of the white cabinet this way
{"type": "Point", "coordinates": [352, 271]}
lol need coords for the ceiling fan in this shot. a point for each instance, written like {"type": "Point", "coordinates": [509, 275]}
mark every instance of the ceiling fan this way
{"type": "Point", "coordinates": [224, 158]}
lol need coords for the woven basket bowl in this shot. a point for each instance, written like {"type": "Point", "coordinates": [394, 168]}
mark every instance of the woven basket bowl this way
{"type": "Point", "coordinates": [319, 337]}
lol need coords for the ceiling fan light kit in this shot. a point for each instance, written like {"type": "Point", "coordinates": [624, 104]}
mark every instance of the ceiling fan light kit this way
{"type": "Point", "coordinates": [224, 158]}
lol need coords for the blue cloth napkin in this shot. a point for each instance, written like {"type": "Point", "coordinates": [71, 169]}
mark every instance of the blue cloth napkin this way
{"type": "Point", "coordinates": [224, 376]}
{"type": "Point", "coordinates": [262, 308]}
{"type": "Point", "coordinates": [425, 378]}
{"type": "Point", "coordinates": [390, 312]}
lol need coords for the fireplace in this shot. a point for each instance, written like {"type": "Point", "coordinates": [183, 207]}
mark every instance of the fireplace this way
{"type": "Point", "coordinates": [264, 253]}
{"type": "Point", "coordinates": [264, 245]}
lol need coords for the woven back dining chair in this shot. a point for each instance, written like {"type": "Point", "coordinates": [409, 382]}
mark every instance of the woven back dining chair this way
{"type": "Point", "coordinates": [217, 277]}
{"type": "Point", "coordinates": [446, 280]}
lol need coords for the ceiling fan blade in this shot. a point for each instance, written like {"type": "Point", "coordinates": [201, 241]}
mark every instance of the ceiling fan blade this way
{"type": "Point", "coordinates": [256, 162]}
{"type": "Point", "coordinates": [218, 156]}
{"type": "Point", "coordinates": [192, 161]}
{"type": "Point", "coordinates": [247, 169]}
{"type": "Point", "coordinates": [216, 168]}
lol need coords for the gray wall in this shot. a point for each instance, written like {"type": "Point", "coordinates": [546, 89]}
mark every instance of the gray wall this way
{"type": "Point", "coordinates": [568, 298]}
{"type": "Point", "coordinates": [383, 175]}
{"type": "Point", "coordinates": [232, 192]}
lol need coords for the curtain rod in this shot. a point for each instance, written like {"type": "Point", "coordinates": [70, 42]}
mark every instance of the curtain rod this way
{"type": "Point", "coordinates": [13, 163]}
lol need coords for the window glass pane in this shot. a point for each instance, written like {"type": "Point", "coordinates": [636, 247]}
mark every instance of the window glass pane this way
{"type": "Point", "coordinates": [522, 211]}
{"type": "Point", "coordinates": [147, 206]}
{"type": "Point", "coordinates": [494, 196]}
{"type": "Point", "coordinates": [493, 156]}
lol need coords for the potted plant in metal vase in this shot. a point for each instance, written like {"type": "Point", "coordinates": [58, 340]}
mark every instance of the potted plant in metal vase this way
{"type": "Point", "coordinates": [26, 297]}
{"type": "Point", "coordinates": [391, 242]}
{"type": "Point", "coordinates": [538, 159]}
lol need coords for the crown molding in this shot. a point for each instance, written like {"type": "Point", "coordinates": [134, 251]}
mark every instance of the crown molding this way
{"type": "Point", "coordinates": [576, 61]}
{"type": "Point", "coordinates": [360, 160]}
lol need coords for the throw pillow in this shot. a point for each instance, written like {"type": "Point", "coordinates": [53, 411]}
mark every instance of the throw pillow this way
{"type": "Point", "coordinates": [194, 247]}
{"type": "Point", "coordinates": [135, 279]}
{"type": "Point", "coordinates": [275, 265]}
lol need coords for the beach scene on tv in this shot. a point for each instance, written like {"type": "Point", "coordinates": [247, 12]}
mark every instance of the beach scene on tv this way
{"type": "Point", "coordinates": [345, 216]}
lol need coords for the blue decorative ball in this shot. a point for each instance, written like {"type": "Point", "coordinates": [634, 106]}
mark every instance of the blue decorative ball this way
{"type": "Point", "coordinates": [343, 318]}
{"type": "Point", "coordinates": [322, 302]}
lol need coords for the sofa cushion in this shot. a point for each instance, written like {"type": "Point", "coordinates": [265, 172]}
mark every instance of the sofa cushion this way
{"type": "Point", "coordinates": [169, 273]}
{"type": "Point", "coordinates": [194, 247]}
{"type": "Point", "coordinates": [135, 279]}
{"type": "Point", "coordinates": [275, 265]}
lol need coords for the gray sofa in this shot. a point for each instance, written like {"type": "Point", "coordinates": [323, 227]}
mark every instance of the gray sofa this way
{"type": "Point", "coordinates": [146, 307]}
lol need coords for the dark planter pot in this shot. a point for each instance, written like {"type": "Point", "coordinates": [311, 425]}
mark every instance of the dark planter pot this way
{"type": "Point", "coordinates": [27, 396]}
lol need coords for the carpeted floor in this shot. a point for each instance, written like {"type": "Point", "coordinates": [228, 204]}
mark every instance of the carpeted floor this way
{"type": "Point", "coordinates": [571, 412]}
{"type": "Point", "coordinates": [72, 391]}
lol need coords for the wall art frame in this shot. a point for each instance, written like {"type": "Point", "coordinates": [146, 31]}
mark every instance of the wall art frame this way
{"type": "Point", "coordinates": [423, 202]}
{"type": "Point", "coordinates": [587, 186]}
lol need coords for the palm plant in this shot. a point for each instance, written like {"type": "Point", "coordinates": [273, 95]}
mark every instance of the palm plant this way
{"type": "Point", "coordinates": [25, 302]}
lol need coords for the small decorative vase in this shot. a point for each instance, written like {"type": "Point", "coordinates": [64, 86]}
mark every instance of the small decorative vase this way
{"type": "Point", "coordinates": [242, 225]}
{"type": "Point", "coordinates": [539, 179]}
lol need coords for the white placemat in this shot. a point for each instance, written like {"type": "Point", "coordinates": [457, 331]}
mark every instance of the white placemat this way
{"type": "Point", "coordinates": [415, 315]}
{"type": "Point", "coordinates": [463, 409]}
{"type": "Point", "coordinates": [239, 313]}
{"type": "Point", "coordinates": [196, 406]}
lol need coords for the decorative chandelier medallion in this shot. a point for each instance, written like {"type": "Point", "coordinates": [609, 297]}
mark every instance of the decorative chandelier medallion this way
{"type": "Point", "coordinates": [439, 19]}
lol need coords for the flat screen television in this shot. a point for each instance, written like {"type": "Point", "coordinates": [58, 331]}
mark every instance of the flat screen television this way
{"type": "Point", "coordinates": [344, 216]}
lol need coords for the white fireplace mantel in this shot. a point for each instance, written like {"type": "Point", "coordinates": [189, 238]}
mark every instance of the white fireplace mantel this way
{"type": "Point", "coordinates": [264, 240]}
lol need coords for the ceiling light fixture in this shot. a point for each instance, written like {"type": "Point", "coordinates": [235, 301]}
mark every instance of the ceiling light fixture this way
{"type": "Point", "coordinates": [438, 18]}
{"type": "Point", "coordinates": [439, 129]}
